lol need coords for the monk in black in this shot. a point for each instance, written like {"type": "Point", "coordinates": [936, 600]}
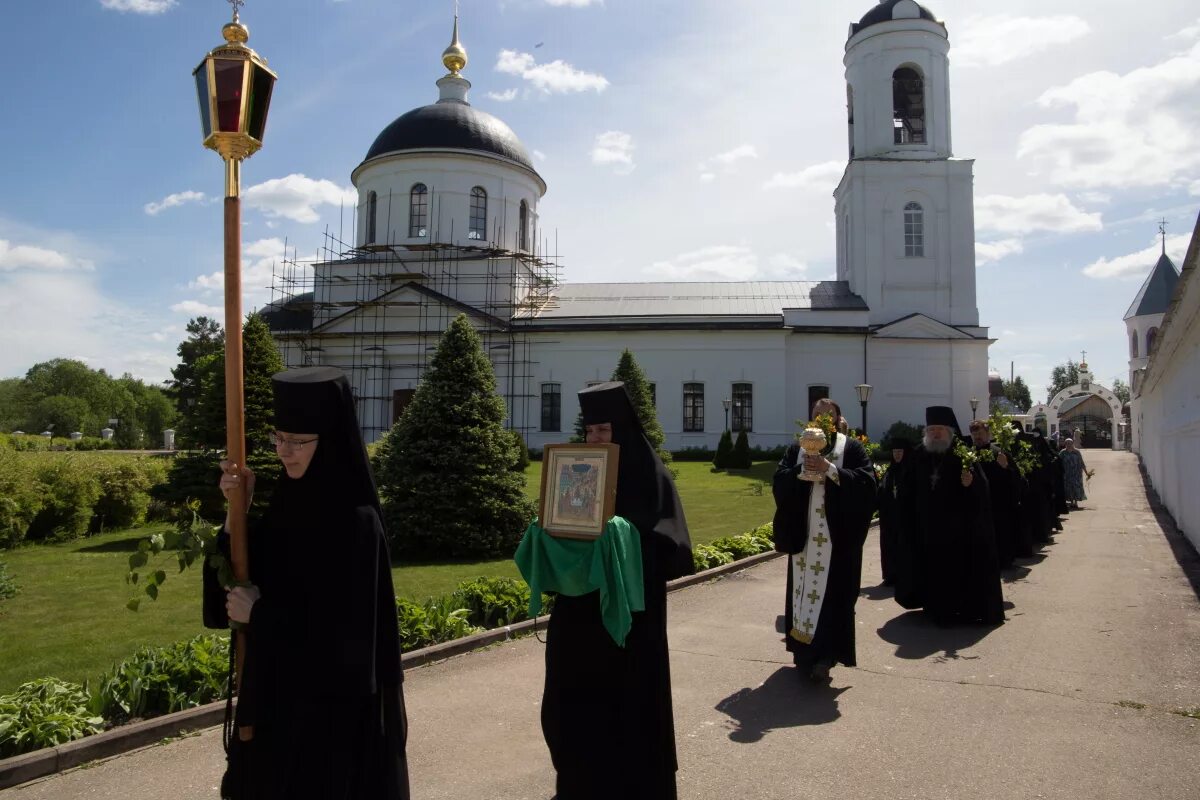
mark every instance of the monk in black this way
{"type": "Point", "coordinates": [1003, 494]}
{"type": "Point", "coordinates": [322, 684]}
{"type": "Point", "coordinates": [606, 709]}
{"type": "Point", "coordinates": [849, 501]}
{"type": "Point", "coordinates": [888, 505]}
{"type": "Point", "coordinates": [948, 549]}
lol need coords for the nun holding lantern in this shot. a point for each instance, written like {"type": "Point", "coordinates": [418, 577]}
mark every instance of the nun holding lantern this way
{"type": "Point", "coordinates": [606, 709]}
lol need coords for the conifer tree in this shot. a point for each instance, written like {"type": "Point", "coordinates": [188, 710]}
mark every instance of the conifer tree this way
{"type": "Point", "coordinates": [446, 469]}
{"type": "Point", "coordinates": [630, 373]}
{"type": "Point", "coordinates": [739, 457]}
{"type": "Point", "coordinates": [724, 451]}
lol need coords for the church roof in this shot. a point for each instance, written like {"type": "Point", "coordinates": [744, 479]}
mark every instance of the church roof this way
{"type": "Point", "coordinates": [1155, 294]}
{"type": "Point", "coordinates": [450, 126]}
{"type": "Point", "coordinates": [883, 13]}
{"type": "Point", "coordinates": [716, 299]}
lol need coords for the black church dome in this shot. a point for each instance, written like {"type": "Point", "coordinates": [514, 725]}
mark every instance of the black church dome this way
{"type": "Point", "coordinates": [450, 126]}
{"type": "Point", "coordinates": [883, 13]}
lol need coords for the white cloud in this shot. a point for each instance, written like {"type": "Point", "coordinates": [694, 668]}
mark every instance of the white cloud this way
{"type": "Point", "coordinates": [575, 3]}
{"type": "Point", "coordinates": [539, 155]}
{"type": "Point", "coordinates": [823, 176]}
{"type": "Point", "coordinates": [15, 257]}
{"type": "Point", "coordinates": [139, 6]}
{"type": "Point", "coordinates": [727, 161]}
{"type": "Point", "coordinates": [727, 263]}
{"type": "Point", "coordinates": [1095, 198]}
{"type": "Point", "coordinates": [616, 148]}
{"type": "Point", "coordinates": [1034, 212]}
{"type": "Point", "coordinates": [1187, 34]}
{"type": "Point", "coordinates": [259, 259]}
{"type": "Point", "coordinates": [1132, 130]}
{"type": "Point", "coordinates": [987, 252]}
{"type": "Point", "coordinates": [194, 308]}
{"type": "Point", "coordinates": [174, 200]}
{"type": "Point", "coordinates": [993, 40]}
{"type": "Point", "coordinates": [556, 77]}
{"type": "Point", "coordinates": [297, 197]}
{"type": "Point", "coordinates": [1137, 265]}
{"type": "Point", "coordinates": [1194, 189]}
{"type": "Point", "coordinates": [506, 96]}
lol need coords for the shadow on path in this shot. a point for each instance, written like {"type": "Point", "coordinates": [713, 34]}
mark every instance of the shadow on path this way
{"type": "Point", "coordinates": [1181, 547]}
{"type": "Point", "coordinates": [880, 592]}
{"type": "Point", "coordinates": [916, 636]}
{"type": "Point", "coordinates": [784, 700]}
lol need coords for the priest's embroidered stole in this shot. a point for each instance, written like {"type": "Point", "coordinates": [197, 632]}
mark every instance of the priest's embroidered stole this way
{"type": "Point", "coordinates": [810, 567]}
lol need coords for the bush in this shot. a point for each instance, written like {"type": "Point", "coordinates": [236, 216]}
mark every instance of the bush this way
{"type": "Point", "coordinates": [8, 586]}
{"type": "Point", "coordinates": [772, 454]}
{"type": "Point", "coordinates": [20, 497]}
{"type": "Point", "coordinates": [693, 454]}
{"type": "Point", "coordinates": [520, 451]}
{"type": "Point", "coordinates": [433, 621]}
{"type": "Point", "coordinates": [743, 545]}
{"type": "Point", "coordinates": [72, 490]}
{"type": "Point", "coordinates": [899, 434]}
{"type": "Point", "coordinates": [724, 451]}
{"type": "Point", "coordinates": [706, 556]}
{"type": "Point", "coordinates": [493, 602]}
{"type": "Point", "coordinates": [125, 492]}
{"type": "Point", "coordinates": [159, 680]}
{"type": "Point", "coordinates": [739, 458]}
{"type": "Point", "coordinates": [44, 713]}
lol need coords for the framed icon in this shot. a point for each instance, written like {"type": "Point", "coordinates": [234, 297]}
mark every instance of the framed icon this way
{"type": "Point", "coordinates": [579, 489]}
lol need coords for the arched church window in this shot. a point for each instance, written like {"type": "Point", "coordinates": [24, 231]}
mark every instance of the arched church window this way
{"type": "Point", "coordinates": [478, 227]}
{"type": "Point", "coordinates": [850, 116]}
{"type": "Point", "coordinates": [523, 227]}
{"type": "Point", "coordinates": [908, 104]}
{"type": "Point", "coordinates": [372, 215]}
{"type": "Point", "coordinates": [1151, 335]}
{"type": "Point", "coordinates": [418, 211]}
{"type": "Point", "coordinates": [914, 231]}
{"type": "Point", "coordinates": [1133, 348]}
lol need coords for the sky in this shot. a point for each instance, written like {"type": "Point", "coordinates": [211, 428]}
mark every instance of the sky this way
{"type": "Point", "coordinates": [680, 140]}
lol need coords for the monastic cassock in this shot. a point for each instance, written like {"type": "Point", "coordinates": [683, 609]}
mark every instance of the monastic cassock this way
{"type": "Point", "coordinates": [822, 527]}
{"type": "Point", "coordinates": [948, 551]}
{"type": "Point", "coordinates": [322, 684]}
{"type": "Point", "coordinates": [1003, 494]}
{"type": "Point", "coordinates": [1042, 488]}
{"type": "Point", "coordinates": [606, 710]}
{"type": "Point", "coordinates": [887, 503]}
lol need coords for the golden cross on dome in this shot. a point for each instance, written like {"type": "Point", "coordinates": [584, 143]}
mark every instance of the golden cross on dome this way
{"type": "Point", "coordinates": [1162, 230]}
{"type": "Point", "coordinates": [237, 4]}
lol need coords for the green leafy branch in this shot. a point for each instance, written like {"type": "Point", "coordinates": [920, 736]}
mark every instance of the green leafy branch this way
{"type": "Point", "coordinates": [192, 539]}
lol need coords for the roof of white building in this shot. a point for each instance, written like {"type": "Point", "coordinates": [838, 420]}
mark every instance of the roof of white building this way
{"type": "Point", "coordinates": [1155, 294]}
{"type": "Point", "coordinates": [718, 299]}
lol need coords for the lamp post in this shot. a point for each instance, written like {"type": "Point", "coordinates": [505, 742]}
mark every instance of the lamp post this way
{"type": "Point", "coordinates": [864, 394]}
{"type": "Point", "coordinates": [974, 401]}
{"type": "Point", "coordinates": [234, 87]}
{"type": "Point", "coordinates": [725, 405]}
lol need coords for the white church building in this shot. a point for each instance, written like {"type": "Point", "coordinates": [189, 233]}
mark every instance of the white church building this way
{"type": "Point", "coordinates": [447, 223]}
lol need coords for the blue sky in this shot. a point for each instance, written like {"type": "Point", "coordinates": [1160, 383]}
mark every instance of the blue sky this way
{"type": "Point", "coordinates": [681, 140]}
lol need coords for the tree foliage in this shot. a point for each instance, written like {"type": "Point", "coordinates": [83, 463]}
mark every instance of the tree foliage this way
{"type": "Point", "coordinates": [1121, 389]}
{"type": "Point", "coordinates": [1061, 377]}
{"type": "Point", "coordinates": [724, 451]}
{"type": "Point", "coordinates": [1016, 392]}
{"type": "Point", "coordinates": [205, 338]}
{"type": "Point", "coordinates": [445, 470]}
{"type": "Point", "coordinates": [739, 457]}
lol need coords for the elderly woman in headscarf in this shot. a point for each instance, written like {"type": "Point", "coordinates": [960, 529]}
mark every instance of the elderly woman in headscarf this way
{"type": "Point", "coordinates": [606, 710]}
{"type": "Point", "coordinates": [321, 686]}
{"type": "Point", "coordinates": [1073, 472]}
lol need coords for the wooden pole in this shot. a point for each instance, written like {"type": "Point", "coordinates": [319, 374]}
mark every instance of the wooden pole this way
{"type": "Point", "coordinates": [235, 417]}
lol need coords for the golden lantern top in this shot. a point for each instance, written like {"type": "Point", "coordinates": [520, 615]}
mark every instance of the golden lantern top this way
{"type": "Point", "coordinates": [455, 56]}
{"type": "Point", "coordinates": [233, 86]}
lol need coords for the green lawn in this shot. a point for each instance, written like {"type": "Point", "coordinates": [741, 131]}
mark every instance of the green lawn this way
{"type": "Point", "coordinates": [69, 619]}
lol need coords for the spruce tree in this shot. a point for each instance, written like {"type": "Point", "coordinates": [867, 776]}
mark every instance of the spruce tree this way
{"type": "Point", "coordinates": [739, 458]}
{"type": "Point", "coordinates": [446, 473]}
{"type": "Point", "coordinates": [630, 373]}
{"type": "Point", "coordinates": [724, 451]}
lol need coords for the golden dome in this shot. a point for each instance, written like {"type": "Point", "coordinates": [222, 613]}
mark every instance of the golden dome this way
{"type": "Point", "coordinates": [455, 56]}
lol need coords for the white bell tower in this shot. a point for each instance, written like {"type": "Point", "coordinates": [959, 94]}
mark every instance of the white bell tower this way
{"type": "Point", "coordinates": [905, 206]}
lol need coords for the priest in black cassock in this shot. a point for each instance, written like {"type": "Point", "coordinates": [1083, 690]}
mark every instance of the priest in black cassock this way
{"type": "Point", "coordinates": [822, 526]}
{"type": "Point", "coordinates": [1003, 482]}
{"type": "Point", "coordinates": [606, 709]}
{"type": "Point", "coordinates": [948, 564]}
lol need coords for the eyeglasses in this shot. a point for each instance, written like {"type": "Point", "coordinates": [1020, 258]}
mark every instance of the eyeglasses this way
{"type": "Point", "coordinates": [280, 443]}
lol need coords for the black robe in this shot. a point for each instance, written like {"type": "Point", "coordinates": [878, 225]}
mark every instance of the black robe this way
{"type": "Point", "coordinates": [1003, 494]}
{"type": "Point", "coordinates": [948, 550]}
{"type": "Point", "coordinates": [322, 684]}
{"type": "Point", "coordinates": [849, 504]}
{"type": "Point", "coordinates": [888, 505]}
{"type": "Point", "coordinates": [606, 710]}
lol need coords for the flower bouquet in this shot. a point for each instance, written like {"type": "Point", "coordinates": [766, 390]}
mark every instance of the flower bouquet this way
{"type": "Point", "coordinates": [969, 456]}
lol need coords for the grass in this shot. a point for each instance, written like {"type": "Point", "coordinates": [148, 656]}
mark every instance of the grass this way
{"type": "Point", "coordinates": [69, 619]}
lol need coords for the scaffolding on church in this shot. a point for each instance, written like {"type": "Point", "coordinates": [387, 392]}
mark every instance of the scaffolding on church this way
{"type": "Point", "coordinates": [378, 310]}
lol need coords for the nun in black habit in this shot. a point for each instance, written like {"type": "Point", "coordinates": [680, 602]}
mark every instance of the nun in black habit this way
{"type": "Point", "coordinates": [606, 710]}
{"type": "Point", "coordinates": [887, 503]}
{"type": "Point", "coordinates": [322, 684]}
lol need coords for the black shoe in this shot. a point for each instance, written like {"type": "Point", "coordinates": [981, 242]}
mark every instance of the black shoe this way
{"type": "Point", "coordinates": [820, 672]}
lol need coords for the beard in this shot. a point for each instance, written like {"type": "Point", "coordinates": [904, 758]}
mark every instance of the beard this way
{"type": "Point", "coordinates": [937, 446]}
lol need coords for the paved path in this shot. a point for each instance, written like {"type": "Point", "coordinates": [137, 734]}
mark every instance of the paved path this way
{"type": "Point", "coordinates": [1072, 698]}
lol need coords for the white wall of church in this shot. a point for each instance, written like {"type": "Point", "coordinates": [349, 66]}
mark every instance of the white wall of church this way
{"type": "Point", "coordinates": [908, 375]}
{"type": "Point", "coordinates": [1166, 413]}
{"type": "Point", "coordinates": [449, 177]}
